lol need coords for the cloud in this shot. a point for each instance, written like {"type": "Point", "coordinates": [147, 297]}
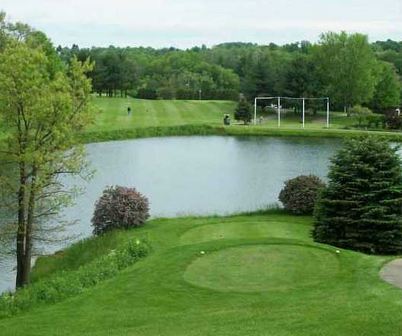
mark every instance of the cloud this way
{"type": "Point", "coordinates": [185, 23]}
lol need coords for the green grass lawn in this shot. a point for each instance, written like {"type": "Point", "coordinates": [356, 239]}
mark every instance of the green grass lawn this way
{"type": "Point", "coordinates": [112, 113]}
{"type": "Point", "coordinates": [255, 274]}
{"type": "Point", "coordinates": [151, 118]}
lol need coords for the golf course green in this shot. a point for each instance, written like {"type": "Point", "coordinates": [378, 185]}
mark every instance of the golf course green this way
{"type": "Point", "coordinates": [254, 274]}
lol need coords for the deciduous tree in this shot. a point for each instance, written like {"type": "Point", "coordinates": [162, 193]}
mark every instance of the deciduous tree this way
{"type": "Point", "coordinates": [348, 68]}
{"type": "Point", "coordinates": [388, 89]}
{"type": "Point", "coordinates": [41, 108]}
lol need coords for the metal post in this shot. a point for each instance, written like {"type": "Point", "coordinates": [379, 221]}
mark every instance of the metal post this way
{"type": "Point", "coordinates": [327, 112]}
{"type": "Point", "coordinates": [255, 111]}
{"type": "Point", "coordinates": [303, 110]}
{"type": "Point", "coordinates": [279, 111]}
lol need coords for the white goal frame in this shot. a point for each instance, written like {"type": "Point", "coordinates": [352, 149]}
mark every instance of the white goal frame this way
{"type": "Point", "coordinates": [303, 99]}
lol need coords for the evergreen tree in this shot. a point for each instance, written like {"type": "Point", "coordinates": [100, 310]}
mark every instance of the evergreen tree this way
{"type": "Point", "coordinates": [243, 111]}
{"type": "Point", "coordinates": [361, 208]}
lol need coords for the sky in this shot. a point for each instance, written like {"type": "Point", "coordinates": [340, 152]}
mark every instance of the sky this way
{"type": "Point", "coordinates": [187, 23]}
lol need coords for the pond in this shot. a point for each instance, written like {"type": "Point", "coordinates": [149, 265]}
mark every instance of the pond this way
{"type": "Point", "coordinates": [193, 175]}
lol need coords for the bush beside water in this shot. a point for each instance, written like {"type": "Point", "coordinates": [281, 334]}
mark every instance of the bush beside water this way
{"type": "Point", "coordinates": [119, 208]}
{"type": "Point", "coordinates": [300, 194]}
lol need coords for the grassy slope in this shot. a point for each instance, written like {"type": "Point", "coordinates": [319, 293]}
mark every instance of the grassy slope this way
{"type": "Point", "coordinates": [152, 297]}
{"type": "Point", "coordinates": [164, 118]}
{"type": "Point", "coordinates": [152, 113]}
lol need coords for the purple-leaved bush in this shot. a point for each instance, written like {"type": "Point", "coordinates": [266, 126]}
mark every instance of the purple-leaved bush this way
{"type": "Point", "coordinates": [119, 208]}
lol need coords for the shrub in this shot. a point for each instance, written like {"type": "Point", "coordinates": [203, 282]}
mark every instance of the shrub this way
{"type": "Point", "coordinates": [119, 207]}
{"type": "Point", "coordinates": [361, 208]}
{"type": "Point", "coordinates": [68, 284]}
{"type": "Point", "coordinates": [146, 93]}
{"type": "Point", "coordinates": [376, 121]}
{"type": "Point", "coordinates": [361, 113]}
{"type": "Point", "coordinates": [299, 194]}
{"type": "Point", "coordinates": [393, 120]}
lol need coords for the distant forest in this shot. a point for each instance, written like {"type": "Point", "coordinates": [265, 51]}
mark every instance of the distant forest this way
{"type": "Point", "coordinates": [345, 67]}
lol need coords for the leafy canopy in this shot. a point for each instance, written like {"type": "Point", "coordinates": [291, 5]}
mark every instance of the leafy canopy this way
{"type": "Point", "coordinates": [348, 67]}
{"type": "Point", "coordinates": [42, 106]}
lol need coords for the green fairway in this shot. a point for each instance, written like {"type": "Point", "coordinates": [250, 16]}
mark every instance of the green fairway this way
{"type": "Point", "coordinates": [113, 114]}
{"type": "Point", "coordinates": [239, 275]}
{"type": "Point", "coordinates": [150, 118]}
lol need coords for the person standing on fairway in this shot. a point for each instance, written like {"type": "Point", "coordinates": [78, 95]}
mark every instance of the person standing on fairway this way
{"type": "Point", "coordinates": [129, 110]}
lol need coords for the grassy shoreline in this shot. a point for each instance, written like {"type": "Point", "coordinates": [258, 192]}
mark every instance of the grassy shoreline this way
{"type": "Point", "coordinates": [205, 130]}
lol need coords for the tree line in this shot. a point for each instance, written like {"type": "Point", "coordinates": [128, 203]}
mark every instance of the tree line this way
{"type": "Point", "coordinates": [345, 67]}
{"type": "Point", "coordinates": [156, 74]}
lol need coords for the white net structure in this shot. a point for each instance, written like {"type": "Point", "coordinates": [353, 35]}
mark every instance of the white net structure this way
{"type": "Point", "coordinates": [276, 104]}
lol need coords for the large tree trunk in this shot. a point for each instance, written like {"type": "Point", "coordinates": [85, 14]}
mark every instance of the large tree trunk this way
{"type": "Point", "coordinates": [22, 276]}
{"type": "Point", "coordinates": [25, 225]}
{"type": "Point", "coordinates": [29, 226]}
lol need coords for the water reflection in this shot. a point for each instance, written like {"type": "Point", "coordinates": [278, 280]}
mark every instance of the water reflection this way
{"type": "Point", "coordinates": [194, 175]}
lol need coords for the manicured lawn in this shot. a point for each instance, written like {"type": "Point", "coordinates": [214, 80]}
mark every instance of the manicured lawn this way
{"type": "Point", "coordinates": [155, 118]}
{"type": "Point", "coordinates": [112, 112]}
{"type": "Point", "coordinates": [150, 118]}
{"type": "Point", "coordinates": [255, 274]}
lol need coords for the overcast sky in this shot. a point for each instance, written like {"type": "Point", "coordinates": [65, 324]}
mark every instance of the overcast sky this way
{"type": "Point", "coordinates": [186, 23]}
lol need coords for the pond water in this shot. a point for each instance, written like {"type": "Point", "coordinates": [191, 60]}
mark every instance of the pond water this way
{"type": "Point", "coordinates": [193, 175]}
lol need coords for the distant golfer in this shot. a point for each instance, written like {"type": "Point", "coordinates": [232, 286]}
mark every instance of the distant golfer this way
{"type": "Point", "coordinates": [129, 111]}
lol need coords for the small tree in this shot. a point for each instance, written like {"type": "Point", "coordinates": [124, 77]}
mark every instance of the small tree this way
{"type": "Point", "coordinates": [119, 208]}
{"type": "Point", "coordinates": [361, 208]}
{"type": "Point", "coordinates": [387, 93]}
{"type": "Point", "coordinates": [243, 111]}
{"type": "Point", "coordinates": [300, 194]}
{"type": "Point", "coordinates": [361, 113]}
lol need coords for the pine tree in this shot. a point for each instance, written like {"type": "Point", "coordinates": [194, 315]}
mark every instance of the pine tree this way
{"type": "Point", "coordinates": [361, 208]}
{"type": "Point", "coordinates": [243, 111]}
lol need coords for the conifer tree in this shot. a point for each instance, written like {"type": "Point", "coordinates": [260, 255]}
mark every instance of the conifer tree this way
{"type": "Point", "coordinates": [361, 208]}
{"type": "Point", "coordinates": [243, 111]}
